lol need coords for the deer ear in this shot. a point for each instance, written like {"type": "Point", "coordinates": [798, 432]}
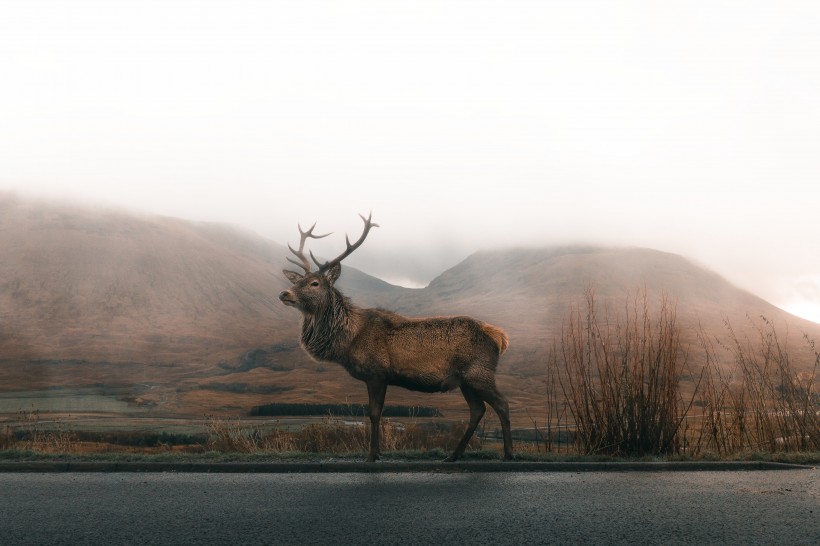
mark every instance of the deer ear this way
{"type": "Point", "coordinates": [333, 273]}
{"type": "Point", "coordinates": [292, 276]}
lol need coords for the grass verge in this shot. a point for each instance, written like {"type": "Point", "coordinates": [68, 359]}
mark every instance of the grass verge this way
{"type": "Point", "coordinates": [803, 458]}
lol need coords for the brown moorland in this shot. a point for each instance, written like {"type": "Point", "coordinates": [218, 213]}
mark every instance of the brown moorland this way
{"type": "Point", "coordinates": [182, 319]}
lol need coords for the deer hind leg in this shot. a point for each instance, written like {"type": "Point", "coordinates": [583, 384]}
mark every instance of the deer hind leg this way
{"type": "Point", "coordinates": [482, 383]}
{"type": "Point", "coordinates": [375, 394]}
{"type": "Point", "coordinates": [499, 403]}
{"type": "Point", "coordinates": [477, 410]}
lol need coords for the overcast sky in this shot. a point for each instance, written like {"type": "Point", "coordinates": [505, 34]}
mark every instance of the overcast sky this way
{"type": "Point", "coordinates": [690, 127]}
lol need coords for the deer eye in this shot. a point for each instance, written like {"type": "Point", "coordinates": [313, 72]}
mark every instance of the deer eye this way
{"type": "Point", "coordinates": [314, 283]}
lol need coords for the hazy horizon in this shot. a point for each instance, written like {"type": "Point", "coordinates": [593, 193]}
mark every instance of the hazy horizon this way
{"type": "Point", "coordinates": [690, 128]}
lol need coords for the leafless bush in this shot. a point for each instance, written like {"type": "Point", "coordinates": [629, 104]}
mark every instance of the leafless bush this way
{"type": "Point", "coordinates": [621, 376]}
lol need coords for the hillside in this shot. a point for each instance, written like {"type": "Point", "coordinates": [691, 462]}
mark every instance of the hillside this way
{"type": "Point", "coordinates": [77, 284]}
{"type": "Point", "coordinates": [532, 291]}
{"type": "Point", "coordinates": [185, 316]}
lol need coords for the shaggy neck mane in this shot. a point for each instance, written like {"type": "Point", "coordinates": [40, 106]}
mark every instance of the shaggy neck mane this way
{"type": "Point", "coordinates": [327, 332]}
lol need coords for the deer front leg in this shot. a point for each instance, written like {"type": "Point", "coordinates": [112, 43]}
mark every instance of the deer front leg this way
{"type": "Point", "coordinates": [376, 390]}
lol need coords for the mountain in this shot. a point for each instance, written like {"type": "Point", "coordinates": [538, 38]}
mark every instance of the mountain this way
{"type": "Point", "coordinates": [80, 284]}
{"type": "Point", "coordinates": [187, 314]}
{"type": "Point", "coordinates": [532, 291]}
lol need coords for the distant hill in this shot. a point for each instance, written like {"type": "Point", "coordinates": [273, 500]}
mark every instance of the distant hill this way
{"type": "Point", "coordinates": [531, 292]}
{"type": "Point", "coordinates": [93, 285]}
{"type": "Point", "coordinates": [189, 311]}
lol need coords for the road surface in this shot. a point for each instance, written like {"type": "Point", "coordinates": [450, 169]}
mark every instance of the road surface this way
{"type": "Point", "coordinates": [745, 507]}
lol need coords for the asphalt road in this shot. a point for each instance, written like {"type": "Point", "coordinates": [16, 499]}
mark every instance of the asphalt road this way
{"type": "Point", "coordinates": [729, 507]}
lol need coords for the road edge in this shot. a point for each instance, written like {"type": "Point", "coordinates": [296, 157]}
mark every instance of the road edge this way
{"type": "Point", "coordinates": [389, 467]}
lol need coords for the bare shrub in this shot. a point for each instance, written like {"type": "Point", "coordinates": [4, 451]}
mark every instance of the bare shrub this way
{"type": "Point", "coordinates": [621, 376]}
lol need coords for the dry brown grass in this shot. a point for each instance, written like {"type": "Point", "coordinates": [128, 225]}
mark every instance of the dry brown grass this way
{"type": "Point", "coordinates": [331, 436]}
{"type": "Point", "coordinates": [30, 435]}
{"type": "Point", "coordinates": [759, 402]}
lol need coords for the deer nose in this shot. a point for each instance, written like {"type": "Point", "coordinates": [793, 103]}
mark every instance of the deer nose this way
{"type": "Point", "coordinates": [287, 297]}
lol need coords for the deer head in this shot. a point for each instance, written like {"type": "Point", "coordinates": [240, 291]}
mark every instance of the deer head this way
{"type": "Point", "coordinates": [311, 288]}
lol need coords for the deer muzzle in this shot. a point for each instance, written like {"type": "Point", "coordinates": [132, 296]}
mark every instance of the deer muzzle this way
{"type": "Point", "coordinates": [287, 297]}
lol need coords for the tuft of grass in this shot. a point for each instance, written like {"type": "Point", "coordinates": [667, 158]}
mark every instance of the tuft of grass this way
{"type": "Point", "coordinates": [758, 402]}
{"type": "Point", "coordinates": [30, 435]}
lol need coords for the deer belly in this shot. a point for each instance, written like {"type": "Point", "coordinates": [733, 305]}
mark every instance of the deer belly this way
{"type": "Point", "coordinates": [425, 377]}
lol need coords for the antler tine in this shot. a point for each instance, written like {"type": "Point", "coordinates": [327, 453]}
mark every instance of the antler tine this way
{"type": "Point", "coordinates": [303, 236]}
{"type": "Point", "coordinates": [368, 223]}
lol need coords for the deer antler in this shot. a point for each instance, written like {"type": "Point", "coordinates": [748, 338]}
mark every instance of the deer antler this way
{"type": "Point", "coordinates": [303, 262]}
{"type": "Point", "coordinates": [368, 223]}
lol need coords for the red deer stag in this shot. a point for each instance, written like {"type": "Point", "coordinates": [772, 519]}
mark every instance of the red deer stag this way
{"type": "Point", "coordinates": [383, 348]}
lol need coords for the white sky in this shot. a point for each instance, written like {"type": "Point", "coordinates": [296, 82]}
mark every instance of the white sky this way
{"type": "Point", "coordinates": [690, 127]}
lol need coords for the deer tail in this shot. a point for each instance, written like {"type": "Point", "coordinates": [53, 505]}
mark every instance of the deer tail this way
{"type": "Point", "coordinates": [498, 335]}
